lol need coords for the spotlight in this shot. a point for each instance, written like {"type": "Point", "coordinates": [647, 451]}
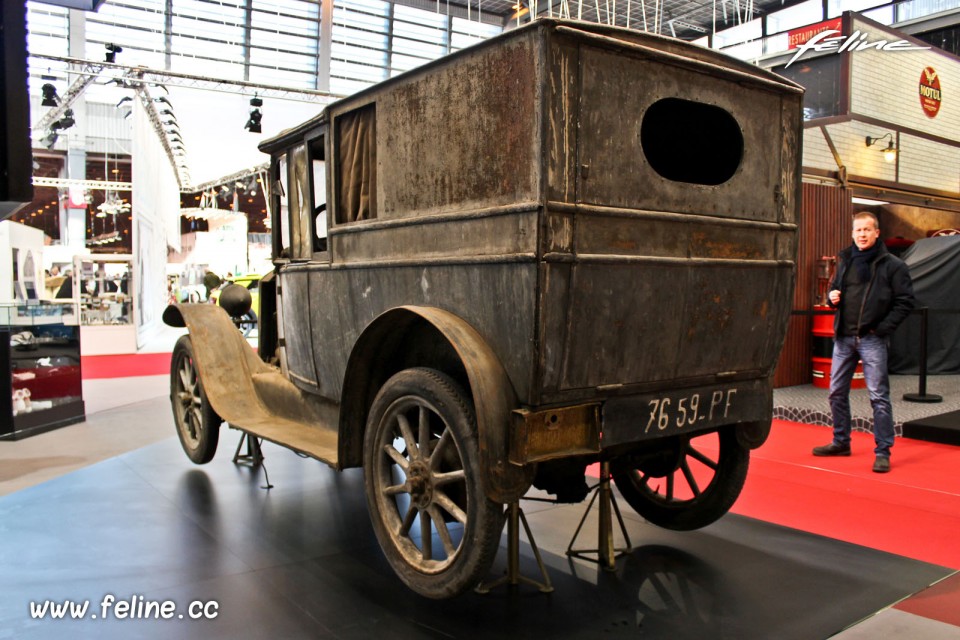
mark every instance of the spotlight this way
{"type": "Point", "coordinates": [50, 139]}
{"type": "Point", "coordinates": [112, 51]}
{"type": "Point", "coordinates": [50, 97]}
{"type": "Point", "coordinates": [122, 100]}
{"type": "Point", "coordinates": [253, 123]}
{"type": "Point", "coordinates": [164, 100]}
{"type": "Point", "coordinates": [66, 121]}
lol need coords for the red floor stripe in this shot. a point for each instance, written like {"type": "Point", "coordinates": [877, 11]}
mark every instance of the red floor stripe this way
{"type": "Point", "coordinates": [939, 602]}
{"type": "Point", "coordinates": [125, 365]}
{"type": "Point", "coordinates": [913, 511]}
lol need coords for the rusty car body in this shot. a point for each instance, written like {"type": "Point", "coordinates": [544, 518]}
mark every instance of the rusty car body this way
{"type": "Point", "coordinates": [566, 244]}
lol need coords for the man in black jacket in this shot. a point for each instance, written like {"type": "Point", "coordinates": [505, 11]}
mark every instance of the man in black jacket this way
{"type": "Point", "coordinates": [872, 294]}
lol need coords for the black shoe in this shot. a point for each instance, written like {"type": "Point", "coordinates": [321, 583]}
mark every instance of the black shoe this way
{"type": "Point", "coordinates": [881, 464]}
{"type": "Point", "coordinates": [831, 449]}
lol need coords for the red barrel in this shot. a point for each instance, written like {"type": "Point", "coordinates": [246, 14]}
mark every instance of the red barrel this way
{"type": "Point", "coordinates": [823, 351]}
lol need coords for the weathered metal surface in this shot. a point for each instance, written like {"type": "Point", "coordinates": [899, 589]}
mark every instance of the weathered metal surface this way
{"type": "Point", "coordinates": [555, 433]}
{"type": "Point", "coordinates": [522, 199]}
{"type": "Point", "coordinates": [454, 139]}
{"type": "Point", "coordinates": [493, 295]}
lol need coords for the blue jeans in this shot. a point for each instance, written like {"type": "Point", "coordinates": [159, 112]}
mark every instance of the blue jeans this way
{"type": "Point", "coordinates": [872, 350]}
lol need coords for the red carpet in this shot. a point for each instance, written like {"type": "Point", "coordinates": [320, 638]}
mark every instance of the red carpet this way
{"type": "Point", "coordinates": [125, 365]}
{"type": "Point", "coordinates": [913, 511]}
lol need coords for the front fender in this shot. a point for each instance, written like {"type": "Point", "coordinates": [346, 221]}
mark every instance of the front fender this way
{"type": "Point", "coordinates": [224, 360]}
{"type": "Point", "coordinates": [493, 396]}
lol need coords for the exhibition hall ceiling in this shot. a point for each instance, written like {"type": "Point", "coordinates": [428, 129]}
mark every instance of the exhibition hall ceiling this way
{"type": "Point", "coordinates": [687, 19]}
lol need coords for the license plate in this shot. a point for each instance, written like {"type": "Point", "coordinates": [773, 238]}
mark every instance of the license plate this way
{"type": "Point", "coordinates": [655, 415]}
{"type": "Point", "coordinates": [672, 413]}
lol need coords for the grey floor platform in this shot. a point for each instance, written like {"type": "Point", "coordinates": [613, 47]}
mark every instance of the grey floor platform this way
{"type": "Point", "coordinates": [300, 561]}
{"type": "Point", "coordinates": [809, 404]}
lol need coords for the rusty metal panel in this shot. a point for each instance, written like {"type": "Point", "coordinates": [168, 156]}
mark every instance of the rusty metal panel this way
{"type": "Point", "coordinates": [562, 116]}
{"type": "Point", "coordinates": [493, 296]}
{"type": "Point", "coordinates": [465, 138]}
{"type": "Point", "coordinates": [295, 309]}
{"type": "Point", "coordinates": [641, 321]}
{"type": "Point", "coordinates": [618, 89]}
{"type": "Point", "coordinates": [492, 231]}
{"type": "Point", "coordinates": [554, 433]}
{"type": "Point", "coordinates": [606, 231]}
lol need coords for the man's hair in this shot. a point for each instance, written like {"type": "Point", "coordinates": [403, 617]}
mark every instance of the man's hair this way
{"type": "Point", "coordinates": [860, 215]}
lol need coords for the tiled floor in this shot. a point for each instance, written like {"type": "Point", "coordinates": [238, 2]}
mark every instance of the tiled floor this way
{"type": "Point", "coordinates": [808, 404]}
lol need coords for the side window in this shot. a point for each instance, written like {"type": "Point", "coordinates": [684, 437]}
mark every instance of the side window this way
{"type": "Point", "coordinates": [356, 145]}
{"type": "Point", "coordinates": [298, 201]}
{"type": "Point", "coordinates": [319, 176]}
{"type": "Point", "coordinates": [281, 214]}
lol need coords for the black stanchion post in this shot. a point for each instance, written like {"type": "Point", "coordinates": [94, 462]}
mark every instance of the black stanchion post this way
{"type": "Point", "coordinates": [922, 395]}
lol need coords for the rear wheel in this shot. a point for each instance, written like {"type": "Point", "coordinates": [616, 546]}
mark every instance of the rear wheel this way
{"type": "Point", "coordinates": [687, 484]}
{"type": "Point", "coordinates": [198, 425]}
{"type": "Point", "coordinates": [437, 528]}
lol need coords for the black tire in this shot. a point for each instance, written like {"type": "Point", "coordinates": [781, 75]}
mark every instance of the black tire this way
{"type": "Point", "coordinates": [198, 425]}
{"type": "Point", "coordinates": [421, 410]}
{"type": "Point", "coordinates": [665, 490]}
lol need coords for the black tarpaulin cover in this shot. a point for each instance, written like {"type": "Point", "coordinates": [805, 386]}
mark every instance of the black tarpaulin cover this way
{"type": "Point", "coordinates": [934, 265]}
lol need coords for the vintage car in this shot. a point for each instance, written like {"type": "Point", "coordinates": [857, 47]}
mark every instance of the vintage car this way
{"type": "Point", "coordinates": [568, 244]}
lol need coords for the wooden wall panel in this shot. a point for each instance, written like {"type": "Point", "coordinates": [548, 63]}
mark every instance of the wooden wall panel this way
{"type": "Point", "coordinates": [825, 219]}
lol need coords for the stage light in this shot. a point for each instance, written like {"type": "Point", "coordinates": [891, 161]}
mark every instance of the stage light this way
{"type": "Point", "coordinates": [66, 121]}
{"type": "Point", "coordinates": [112, 51]}
{"type": "Point", "coordinates": [50, 97]}
{"type": "Point", "coordinates": [253, 122]}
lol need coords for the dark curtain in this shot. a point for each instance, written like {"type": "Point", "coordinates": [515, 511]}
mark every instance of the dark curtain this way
{"type": "Point", "coordinates": [934, 265]}
{"type": "Point", "coordinates": [357, 160]}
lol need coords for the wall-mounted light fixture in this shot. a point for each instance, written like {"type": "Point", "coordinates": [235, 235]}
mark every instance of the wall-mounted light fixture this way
{"type": "Point", "coordinates": [253, 123]}
{"type": "Point", "coordinates": [890, 151]}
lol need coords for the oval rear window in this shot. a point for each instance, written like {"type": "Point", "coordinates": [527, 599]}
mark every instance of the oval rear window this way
{"type": "Point", "coordinates": [693, 142]}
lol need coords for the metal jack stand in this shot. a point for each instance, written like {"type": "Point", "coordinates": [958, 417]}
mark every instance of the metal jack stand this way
{"type": "Point", "coordinates": [514, 518]}
{"type": "Point", "coordinates": [253, 456]}
{"type": "Point", "coordinates": [606, 553]}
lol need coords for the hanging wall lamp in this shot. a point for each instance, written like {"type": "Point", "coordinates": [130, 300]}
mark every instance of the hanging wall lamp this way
{"type": "Point", "coordinates": [890, 151]}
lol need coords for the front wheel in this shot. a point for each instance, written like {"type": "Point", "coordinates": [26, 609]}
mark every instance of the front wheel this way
{"type": "Point", "coordinates": [198, 425]}
{"type": "Point", "coordinates": [437, 528]}
{"type": "Point", "coordinates": [688, 483]}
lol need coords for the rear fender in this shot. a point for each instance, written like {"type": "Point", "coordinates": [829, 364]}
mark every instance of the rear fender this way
{"type": "Point", "coordinates": [382, 350]}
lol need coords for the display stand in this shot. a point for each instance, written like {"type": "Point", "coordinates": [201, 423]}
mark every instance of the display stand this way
{"type": "Point", "coordinates": [254, 455]}
{"type": "Point", "coordinates": [606, 553]}
{"type": "Point", "coordinates": [512, 577]}
{"type": "Point", "coordinates": [40, 381]}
